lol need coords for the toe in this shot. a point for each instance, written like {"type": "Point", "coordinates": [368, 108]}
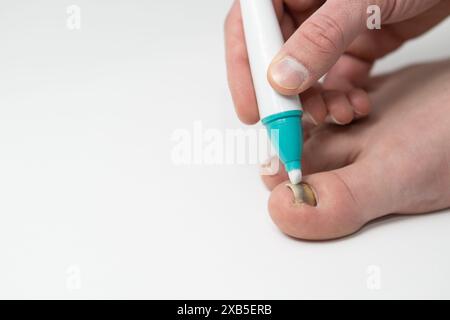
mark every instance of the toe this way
{"type": "Point", "coordinates": [272, 178]}
{"type": "Point", "coordinates": [314, 106]}
{"type": "Point", "coordinates": [360, 102]}
{"type": "Point", "coordinates": [341, 196]}
{"type": "Point", "coordinates": [339, 107]}
{"type": "Point", "coordinates": [325, 150]}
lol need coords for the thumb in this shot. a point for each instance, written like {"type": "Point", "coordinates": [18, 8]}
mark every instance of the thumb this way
{"type": "Point", "coordinates": [316, 45]}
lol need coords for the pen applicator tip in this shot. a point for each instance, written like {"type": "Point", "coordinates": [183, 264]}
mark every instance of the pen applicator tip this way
{"type": "Point", "coordinates": [295, 176]}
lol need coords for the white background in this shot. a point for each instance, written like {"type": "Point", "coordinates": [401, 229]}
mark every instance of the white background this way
{"type": "Point", "coordinates": [91, 205]}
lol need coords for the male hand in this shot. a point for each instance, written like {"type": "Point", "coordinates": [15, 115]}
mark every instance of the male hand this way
{"type": "Point", "coordinates": [327, 38]}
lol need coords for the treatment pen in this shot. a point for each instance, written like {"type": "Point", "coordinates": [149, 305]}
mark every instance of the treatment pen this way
{"type": "Point", "coordinates": [281, 115]}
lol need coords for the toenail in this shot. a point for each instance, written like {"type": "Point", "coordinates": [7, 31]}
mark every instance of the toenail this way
{"type": "Point", "coordinates": [303, 193]}
{"type": "Point", "coordinates": [358, 113]}
{"type": "Point", "coordinates": [269, 167]}
{"type": "Point", "coordinates": [309, 117]}
{"type": "Point", "coordinates": [335, 121]}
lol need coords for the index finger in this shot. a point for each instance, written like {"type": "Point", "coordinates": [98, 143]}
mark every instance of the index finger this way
{"type": "Point", "coordinates": [238, 68]}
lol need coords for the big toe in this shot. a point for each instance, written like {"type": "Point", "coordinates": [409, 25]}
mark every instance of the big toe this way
{"type": "Point", "coordinates": [344, 203]}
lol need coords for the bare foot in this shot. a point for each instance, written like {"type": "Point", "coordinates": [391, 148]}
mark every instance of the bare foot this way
{"type": "Point", "coordinates": [395, 161]}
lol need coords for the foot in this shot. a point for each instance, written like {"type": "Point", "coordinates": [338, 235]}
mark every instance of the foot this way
{"type": "Point", "coordinates": [395, 161]}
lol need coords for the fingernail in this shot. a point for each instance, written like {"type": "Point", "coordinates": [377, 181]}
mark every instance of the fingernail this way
{"type": "Point", "coordinates": [309, 118]}
{"type": "Point", "coordinates": [288, 73]}
{"type": "Point", "coordinates": [303, 193]}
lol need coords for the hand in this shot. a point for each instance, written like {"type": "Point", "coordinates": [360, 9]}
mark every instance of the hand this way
{"type": "Point", "coordinates": [327, 37]}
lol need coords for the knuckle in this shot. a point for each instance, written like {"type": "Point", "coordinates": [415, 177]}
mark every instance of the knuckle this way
{"type": "Point", "coordinates": [325, 34]}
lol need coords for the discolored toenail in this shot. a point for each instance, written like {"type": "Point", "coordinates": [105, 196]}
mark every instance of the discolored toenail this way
{"type": "Point", "coordinates": [303, 193]}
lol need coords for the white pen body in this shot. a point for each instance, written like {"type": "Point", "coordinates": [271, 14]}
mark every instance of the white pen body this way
{"type": "Point", "coordinates": [264, 40]}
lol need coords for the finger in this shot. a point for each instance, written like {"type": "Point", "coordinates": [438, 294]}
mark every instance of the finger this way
{"type": "Point", "coordinates": [371, 44]}
{"type": "Point", "coordinates": [316, 45]}
{"type": "Point", "coordinates": [297, 6]}
{"type": "Point", "coordinates": [347, 199]}
{"type": "Point", "coordinates": [436, 13]}
{"type": "Point", "coordinates": [396, 11]}
{"type": "Point", "coordinates": [286, 22]}
{"type": "Point", "coordinates": [238, 68]}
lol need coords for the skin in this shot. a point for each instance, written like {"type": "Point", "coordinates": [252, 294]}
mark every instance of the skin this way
{"type": "Point", "coordinates": [329, 37]}
{"type": "Point", "coordinates": [397, 160]}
